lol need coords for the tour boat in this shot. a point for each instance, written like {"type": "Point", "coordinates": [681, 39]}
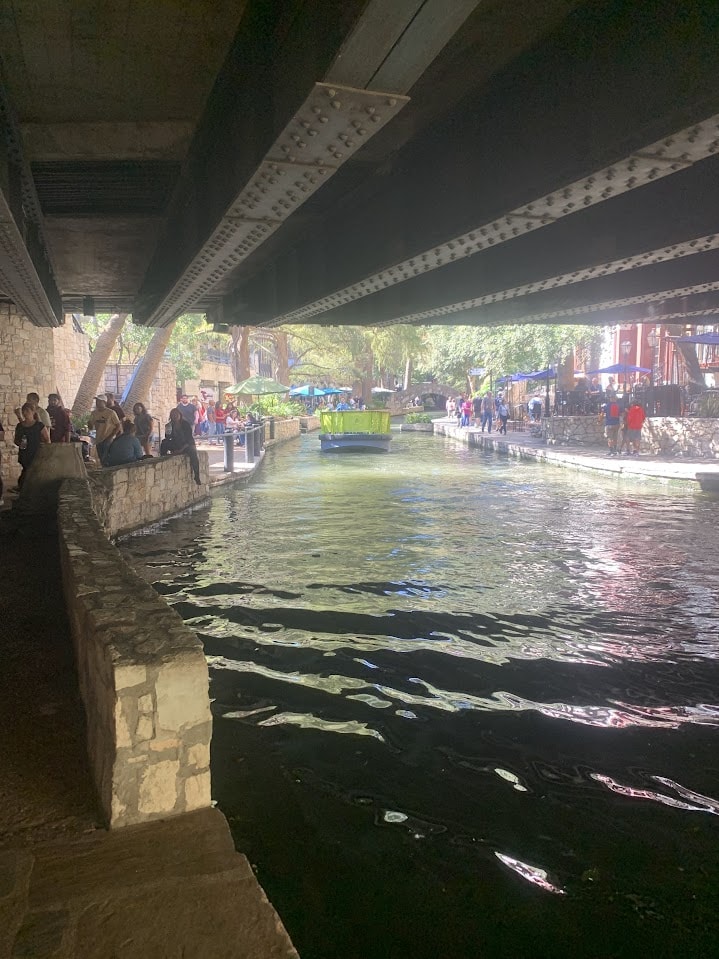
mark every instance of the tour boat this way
{"type": "Point", "coordinates": [362, 430]}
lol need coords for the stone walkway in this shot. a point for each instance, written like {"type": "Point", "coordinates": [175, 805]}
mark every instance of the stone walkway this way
{"type": "Point", "coordinates": [68, 888]}
{"type": "Point", "coordinates": [523, 445]}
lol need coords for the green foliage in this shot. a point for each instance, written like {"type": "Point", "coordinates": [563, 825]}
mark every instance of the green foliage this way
{"type": "Point", "coordinates": [453, 350]}
{"type": "Point", "coordinates": [271, 406]}
{"type": "Point", "coordinates": [418, 418]}
{"type": "Point", "coordinates": [185, 350]}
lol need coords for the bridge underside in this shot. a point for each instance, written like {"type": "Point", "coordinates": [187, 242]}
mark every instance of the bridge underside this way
{"type": "Point", "coordinates": [296, 162]}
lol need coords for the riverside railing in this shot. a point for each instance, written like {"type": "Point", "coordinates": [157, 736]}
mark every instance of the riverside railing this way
{"type": "Point", "coordinates": [254, 440]}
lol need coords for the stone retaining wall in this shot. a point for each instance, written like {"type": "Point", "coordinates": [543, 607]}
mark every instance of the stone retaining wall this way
{"type": "Point", "coordinates": [143, 675]}
{"type": "Point", "coordinates": [668, 435]}
{"type": "Point", "coordinates": [129, 497]}
{"type": "Point", "coordinates": [284, 430]}
{"type": "Point", "coordinates": [685, 436]}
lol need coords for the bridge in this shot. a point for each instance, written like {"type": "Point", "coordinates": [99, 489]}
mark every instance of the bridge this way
{"type": "Point", "coordinates": [362, 162]}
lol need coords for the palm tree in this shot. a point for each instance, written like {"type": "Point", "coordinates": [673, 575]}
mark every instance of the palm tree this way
{"type": "Point", "coordinates": [92, 378]}
{"type": "Point", "coordinates": [149, 364]}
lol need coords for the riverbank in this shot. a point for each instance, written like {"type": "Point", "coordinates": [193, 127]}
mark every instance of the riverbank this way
{"type": "Point", "coordinates": [689, 471]}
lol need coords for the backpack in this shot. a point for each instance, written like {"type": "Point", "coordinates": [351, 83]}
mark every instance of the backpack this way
{"type": "Point", "coordinates": [502, 410]}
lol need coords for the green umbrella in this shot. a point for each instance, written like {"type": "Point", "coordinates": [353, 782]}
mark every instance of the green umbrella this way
{"type": "Point", "coordinates": [257, 386]}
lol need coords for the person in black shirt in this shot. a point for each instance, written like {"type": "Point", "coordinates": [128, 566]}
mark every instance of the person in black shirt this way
{"type": "Point", "coordinates": [29, 434]}
{"type": "Point", "coordinates": [179, 439]}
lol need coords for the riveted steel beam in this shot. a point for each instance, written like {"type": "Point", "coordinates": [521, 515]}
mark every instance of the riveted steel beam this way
{"type": "Point", "coordinates": [332, 124]}
{"type": "Point", "coordinates": [26, 274]}
{"type": "Point", "coordinates": [655, 161]}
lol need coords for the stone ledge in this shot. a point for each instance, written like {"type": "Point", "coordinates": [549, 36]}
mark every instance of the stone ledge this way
{"type": "Point", "coordinates": [143, 677]}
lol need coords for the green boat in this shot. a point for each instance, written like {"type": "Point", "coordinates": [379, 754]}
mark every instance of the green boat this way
{"type": "Point", "coordinates": [360, 430]}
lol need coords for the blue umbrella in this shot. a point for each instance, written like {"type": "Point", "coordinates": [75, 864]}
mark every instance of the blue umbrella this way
{"type": "Point", "coordinates": [308, 390]}
{"type": "Point", "coordinates": [619, 368]}
{"type": "Point", "coordinates": [703, 339]}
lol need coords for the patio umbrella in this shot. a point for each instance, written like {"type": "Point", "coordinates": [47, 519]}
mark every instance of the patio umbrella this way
{"type": "Point", "coordinates": [703, 339]}
{"type": "Point", "coordinates": [257, 386]}
{"type": "Point", "coordinates": [336, 390]}
{"type": "Point", "coordinates": [378, 390]}
{"type": "Point", "coordinates": [619, 368]}
{"type": "Point", "coordinates": [308, 390]}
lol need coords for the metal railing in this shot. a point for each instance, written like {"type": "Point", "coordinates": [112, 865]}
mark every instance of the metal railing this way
{"type": "Point", "coordinates": [251, 441]}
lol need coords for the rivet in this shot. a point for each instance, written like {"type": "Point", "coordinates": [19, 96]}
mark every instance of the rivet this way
{"type": "Point", "coordinates": [336, 104]}
{"type": "Point", "coordinates": [374, 119]}
{"type": "Point", "coordinates": [331, 93]}
{"type": "Point", "coordinates": [370, 110]}
{"type": "Point", "coordinates": [324, 119]}
{"type": "Point", "coordinates": [316, 111]}
{"type": "Point", "coordinates": [391, 102]}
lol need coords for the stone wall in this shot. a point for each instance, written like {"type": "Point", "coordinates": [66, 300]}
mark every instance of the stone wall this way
{"type": "Point", "coordinates": [163, 393]}
{"type": "Point", "coordinates": [27, 363]}
{"type": "Point", "coordinates": [129, 497]}
{"type": "Point", "coordinates": [283, 429]}
{"type": "Point", "coordinates": [685, 436]}
{"type": "Point", "coordinates": [143, 677]}
{"type": "Point", "coordinates": [575, 431]}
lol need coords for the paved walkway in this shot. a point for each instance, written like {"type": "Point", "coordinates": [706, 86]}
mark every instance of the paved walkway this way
{"type": "Point", "coordinates": [644, 467]}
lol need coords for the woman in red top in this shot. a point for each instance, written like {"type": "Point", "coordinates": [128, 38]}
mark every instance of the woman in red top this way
{"type": "Point", "coordinates": [220, 417]}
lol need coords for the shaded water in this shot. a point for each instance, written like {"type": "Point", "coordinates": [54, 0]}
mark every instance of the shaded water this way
{"type": "Point", "coordinates": [464, 706]}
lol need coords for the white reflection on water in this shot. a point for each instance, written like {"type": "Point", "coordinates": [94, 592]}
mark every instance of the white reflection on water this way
{"type": "Point", "coordinates": [538, 877]}
{"type": "Point", "coordinates": [705, 803]}
{"type": "Point", "coordinates": [308, 721]}
{"type": "Point", "coordinates": [618, 715]}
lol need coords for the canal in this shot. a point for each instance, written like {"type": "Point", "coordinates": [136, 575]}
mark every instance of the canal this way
{"type": "Point", "coordinates": [464, 706]}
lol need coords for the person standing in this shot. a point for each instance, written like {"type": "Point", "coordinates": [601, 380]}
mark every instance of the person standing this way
{"type": "Point", "coordinates": [220, 417]}
{"type": "Point", "coordinates": [487, 411]}
{"type": "Point", "coordinates": [59, 420]}
{"type": "Point", "coordinates": [113, 405]}
{"type": "Point", "coordinates": [30, 433]}
{"type": "Point", "coordinates": [188, 411]}
{"type": "Point", "coordinates": [503, 414]}
{"type": "Point", "coordinates": [466, 412]}
{"type": "Point", "coordinates": [106, 424]}
{"type": "Point", "coordinates": [477, 409]}
{"type": "Point", "coordinates": [450, 407]}
{"type": "Point", "coordinates": [635, 421]}
{"type": "Point", "coordinates": [34, 400]}
{"type": "Point", "coordinates": [611, 414]}
{"type": "Point", "coordinates": [143, 426]}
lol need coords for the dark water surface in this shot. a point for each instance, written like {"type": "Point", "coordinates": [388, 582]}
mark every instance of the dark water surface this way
{"type": "Point", "coordinates": [465, 707]}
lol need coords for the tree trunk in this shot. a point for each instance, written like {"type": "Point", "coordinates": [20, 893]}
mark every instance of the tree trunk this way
{"type": "Point", "coordinates": [240, 352]}
{"type": "Point", "coordinates": [90, 383]}
{"type": "Point", "coordinates": [408, 373]}
{"type": "Point", "coordinates": [149, 365]}
{"type": "Point", "coordinates": [282, 354]}
{"type": "Point", "coordinates": [368, 376]}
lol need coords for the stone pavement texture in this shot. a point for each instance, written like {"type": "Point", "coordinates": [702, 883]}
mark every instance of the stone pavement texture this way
{"type": "Point", "coordinates": [68, 888]}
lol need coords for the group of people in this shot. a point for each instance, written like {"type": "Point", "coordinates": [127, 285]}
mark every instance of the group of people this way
{"type": "Point", "coordinates": [622, 426]}
{"type": "Point", "coordinates": [485, 409]}
{"type": "Point", "coordinates": [37, 425]}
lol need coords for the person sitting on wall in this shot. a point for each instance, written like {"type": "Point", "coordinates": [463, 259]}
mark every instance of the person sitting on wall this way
{"type": "Point", "coordinates": [179, 439]}
{"type": "Point", "coordinates": [125, 448]}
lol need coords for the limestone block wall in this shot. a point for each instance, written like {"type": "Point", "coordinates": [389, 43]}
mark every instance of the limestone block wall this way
{"type": "Point", "coordinates": [575, 431]}
{"type": "Point", "coordinates": [309, 423]}
{"type": "Point", "coordinates": [682, 436]}
{"type": "Point", "coordinates": [284, 430]}
{"type": "Point", "coordinates": [129, 497]}
{"type": "Point", "coordinates": [27, 362]}
{"type": "Point", "coordinates": [72, 354]}
{"type": "Point", "coordinates": [143, 677]}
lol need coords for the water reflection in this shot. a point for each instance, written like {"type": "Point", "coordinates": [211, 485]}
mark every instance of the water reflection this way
{"type": "Point", "coordinates": [465, 667]}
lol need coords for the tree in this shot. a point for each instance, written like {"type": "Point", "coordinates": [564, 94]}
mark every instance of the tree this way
{"type": "Point", "coordinates": [103, 347]}
{"type": "Point", "coordinates": [149, 365]}
{"type": "Point", "coordinates": [453, 350]}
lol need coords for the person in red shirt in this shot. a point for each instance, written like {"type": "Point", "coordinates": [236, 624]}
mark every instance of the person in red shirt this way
{"type": "Point", "coordinates": [220, 417]}
{"type": "Point", "coordinates": [635, 421]}
{"type": "Point", "coordinates": [59, 420]}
